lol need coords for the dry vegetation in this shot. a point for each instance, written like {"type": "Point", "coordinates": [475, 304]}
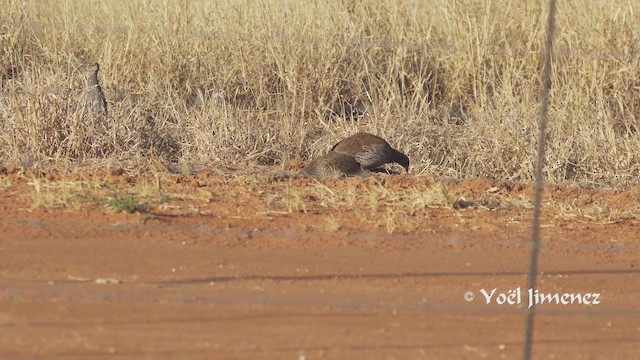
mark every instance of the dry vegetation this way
{"type": "Point", "coordinates": [454, 84]}
{"type": "Point", "coordinates": [393, 204]}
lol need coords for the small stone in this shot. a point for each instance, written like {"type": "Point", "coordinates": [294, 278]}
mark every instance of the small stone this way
{"type": "Point", "coordinates": [107, 281]}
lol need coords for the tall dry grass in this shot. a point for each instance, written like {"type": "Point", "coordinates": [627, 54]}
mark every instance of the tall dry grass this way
{"type": "Point", "coordinates": [454, 84]}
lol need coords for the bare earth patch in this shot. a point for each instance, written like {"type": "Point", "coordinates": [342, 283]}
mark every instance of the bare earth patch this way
{"type": "Point", "coordinates": [243, 265]}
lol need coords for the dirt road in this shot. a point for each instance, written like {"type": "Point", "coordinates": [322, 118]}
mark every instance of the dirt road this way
{"type": "Point", "coordinates": [235, 279]}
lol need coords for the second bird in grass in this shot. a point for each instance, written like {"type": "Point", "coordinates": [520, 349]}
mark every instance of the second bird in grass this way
{"type": "Point", "coordinates": [371, 151]}
{"type": "Point", "coordinates": [333, 164]}
{"type": "Point", "coordinates": [96, 103]}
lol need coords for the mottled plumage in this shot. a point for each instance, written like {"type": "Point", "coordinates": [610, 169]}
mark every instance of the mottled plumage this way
{"type": "Point", "coordinates": [371, 151]}
{"type": "Point", "coordinates": [96, 103]}
{"type": "Point", "coordinates": [333, 164]}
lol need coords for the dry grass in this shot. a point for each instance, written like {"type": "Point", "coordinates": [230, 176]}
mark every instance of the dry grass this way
{"type": "Point", "coordinates": [375, 203]}
{"type": "Point", "coordinates": [453, 84]}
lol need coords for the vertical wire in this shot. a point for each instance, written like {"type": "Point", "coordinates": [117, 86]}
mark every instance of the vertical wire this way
{"type": "Point", "coordinates": [542, 131]}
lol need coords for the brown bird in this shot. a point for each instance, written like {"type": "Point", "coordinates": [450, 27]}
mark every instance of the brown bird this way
{"type": "Point", "coordinates": [96, 102]}
{"type": "Point", "coordinates": [333, 164]}
{"type": "Point", "coordinates": [371, 151]}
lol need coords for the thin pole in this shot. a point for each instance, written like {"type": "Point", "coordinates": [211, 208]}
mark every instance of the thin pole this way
{"type": "Point", "coordinates": [535, 224]}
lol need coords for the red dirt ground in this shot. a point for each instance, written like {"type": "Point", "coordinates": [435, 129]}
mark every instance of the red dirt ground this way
{"type": "Point", "coordinates": [223, 275]}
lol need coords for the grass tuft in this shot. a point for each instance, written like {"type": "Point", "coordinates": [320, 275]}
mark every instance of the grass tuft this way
{"type": "Point", "coordinates": [127, 203]}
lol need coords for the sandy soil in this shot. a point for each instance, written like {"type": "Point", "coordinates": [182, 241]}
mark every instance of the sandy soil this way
{"type": "Point", "coordinates": [226, 271]}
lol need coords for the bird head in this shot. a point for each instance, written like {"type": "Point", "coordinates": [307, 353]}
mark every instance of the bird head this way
{"type": "Point", "coordinates": [403, 160]}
